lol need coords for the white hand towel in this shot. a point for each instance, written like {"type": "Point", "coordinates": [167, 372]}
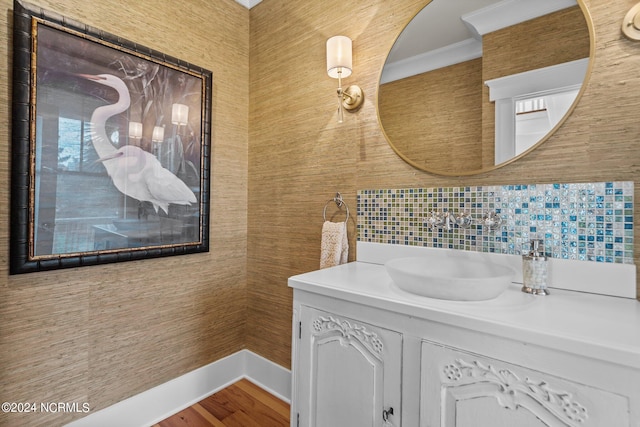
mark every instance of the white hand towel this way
{"type": "Point", "coordinates": [335, 244]}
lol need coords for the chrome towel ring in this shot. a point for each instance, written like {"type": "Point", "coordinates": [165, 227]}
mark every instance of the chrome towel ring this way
{"type": "Point", "coordinates": [339, 202]}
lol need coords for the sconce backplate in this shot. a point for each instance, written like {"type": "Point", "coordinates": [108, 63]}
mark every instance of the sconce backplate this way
{"type": "Point", "coordinates": [352, 98]}
{"type": "Point", "coordinates": [631, 23]}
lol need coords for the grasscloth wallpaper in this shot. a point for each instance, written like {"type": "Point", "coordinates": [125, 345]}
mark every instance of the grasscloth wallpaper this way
{"type": "Point", "coordinates": [299, 156]}
{"type": "Point", "coordinates": [421, 116]}
{"type": "Point", "coordinates": [101, 334]}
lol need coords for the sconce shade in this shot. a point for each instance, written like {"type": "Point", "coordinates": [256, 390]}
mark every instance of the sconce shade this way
{"type": "Point", "coordinates": [135, 130]}
{"type": "Point", "coordinates": [179, 114]}
{"type": "Point", "coordinates": [158, 134]}
{"type": "Point", "coordinates": [339, 57]}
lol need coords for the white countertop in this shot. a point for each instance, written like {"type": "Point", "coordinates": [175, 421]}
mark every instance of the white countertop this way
{"type": "Point", "coordinates": [602, 327]}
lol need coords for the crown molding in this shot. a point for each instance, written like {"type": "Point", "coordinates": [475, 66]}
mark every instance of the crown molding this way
{"type": "Point", "coordinates": [482, 21]}
{"type": "Point", "coordinates": [568, 74]}
{"type": "Point", "coordinates": [510, 12]}
{"type": "Point", "coordinates": [465, 50]}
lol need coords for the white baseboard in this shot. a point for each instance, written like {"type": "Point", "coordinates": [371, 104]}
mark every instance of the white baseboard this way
{"type": "Point", "coordinates": [160, 402]}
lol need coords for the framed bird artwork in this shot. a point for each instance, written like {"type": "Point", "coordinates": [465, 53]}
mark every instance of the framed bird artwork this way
{"type": "Point", "coordinates": [111, 147]}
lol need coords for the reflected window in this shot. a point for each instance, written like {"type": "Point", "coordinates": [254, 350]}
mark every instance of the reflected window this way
{"type": "Point", "coordinates": [529, 105]}
{"type": "Point", "coordinates": [75, 150]}
{"type": "Point", "coordinates": [535, 116]}
{"type": "Point", "coordinates": [70, 144]}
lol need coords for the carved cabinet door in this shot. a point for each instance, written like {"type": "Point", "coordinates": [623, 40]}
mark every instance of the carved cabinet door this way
{"type": "Point", "coordinates": [464, 389]}
{"type": "Point", "coordinates": [348, 372]}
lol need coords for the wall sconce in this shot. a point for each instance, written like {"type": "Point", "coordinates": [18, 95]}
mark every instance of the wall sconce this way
{"type": "Point", "coordinates": [339, 65]}
{"type": "Point", "coordinates": [631, 23]}
{"type": "Point", "coordinates": [179, 114]}
{"type": "Point", "coordinates": [135, 130]}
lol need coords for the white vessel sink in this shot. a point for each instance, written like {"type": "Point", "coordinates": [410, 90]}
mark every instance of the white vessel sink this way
{"type": "Point", "coordinates": [450, 278]}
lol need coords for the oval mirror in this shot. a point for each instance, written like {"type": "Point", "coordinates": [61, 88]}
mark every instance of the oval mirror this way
{"type": "Point", "coordinates": [471, 85]}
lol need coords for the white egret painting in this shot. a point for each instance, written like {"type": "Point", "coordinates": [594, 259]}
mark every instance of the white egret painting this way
{"type": "Point", "coordinates": [112, 162]}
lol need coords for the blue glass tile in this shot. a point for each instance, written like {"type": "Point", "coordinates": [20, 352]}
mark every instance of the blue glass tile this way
{"type": "Point", "coordinates": [600, 214]}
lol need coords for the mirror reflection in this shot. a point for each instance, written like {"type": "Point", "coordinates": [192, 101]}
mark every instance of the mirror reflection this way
{"type": "Point", "coordinates": [470, 85]}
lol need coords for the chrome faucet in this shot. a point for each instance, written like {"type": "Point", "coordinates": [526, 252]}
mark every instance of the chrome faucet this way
{"type": "Point", "coordinates": [435, 220]}
{"type": "Point", "coordinates": [447, 220]}
{"type": "Point", "coordinates": [463, 220]}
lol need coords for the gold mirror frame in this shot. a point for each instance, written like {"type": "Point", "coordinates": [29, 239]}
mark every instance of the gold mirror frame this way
{"type": "Point", "coordinates": [589, 22]}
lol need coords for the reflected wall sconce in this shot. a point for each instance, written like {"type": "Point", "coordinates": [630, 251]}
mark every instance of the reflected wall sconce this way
{"type": "Point", "coordinates": [135, 130]}
{"type": "Point", "coordinates": [158, 134]}
{"type": "Point", "coordinates": [157, 138]}
{"type": "Point", "coordinates": [631, 23]}
{"type": "Point", "coordinates": [339, 65]}
{"type": "Point", "coordinates": [179, 114]}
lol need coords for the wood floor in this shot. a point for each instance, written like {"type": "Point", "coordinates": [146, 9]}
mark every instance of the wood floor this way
{"type": "Point", "coordinates": [242, 404]}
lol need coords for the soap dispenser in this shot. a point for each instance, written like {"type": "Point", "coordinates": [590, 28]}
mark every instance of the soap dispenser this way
{"type": "Point", "coordinates": [534, 270]}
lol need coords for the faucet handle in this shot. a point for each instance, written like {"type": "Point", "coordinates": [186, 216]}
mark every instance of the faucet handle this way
{"type": "Point", "coordinates": [435, 220]}
{"type": "Point", "coordinates": [492, 221]}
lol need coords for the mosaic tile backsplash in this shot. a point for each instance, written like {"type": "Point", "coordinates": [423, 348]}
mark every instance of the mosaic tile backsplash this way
{"type": "Point", "coordinates": [585, 221]}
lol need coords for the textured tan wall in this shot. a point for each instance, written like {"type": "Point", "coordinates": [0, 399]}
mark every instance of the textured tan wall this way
{"type": "Point", "coordinates": [435, 118]}
{"type": "Point", "coordinates": [299, 156]}
{"type": "Point", "coordinates": [101, 334]}
{"type": "Point", "coordinates": [535, 44]}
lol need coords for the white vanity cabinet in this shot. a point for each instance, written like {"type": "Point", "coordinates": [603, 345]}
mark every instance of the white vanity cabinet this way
{"type": "Point", "coordinates": [464, 389]}
{"type": "Point", "coordinates": [361, 347]}
{"type": "Point", "coordinates": [348, 372]}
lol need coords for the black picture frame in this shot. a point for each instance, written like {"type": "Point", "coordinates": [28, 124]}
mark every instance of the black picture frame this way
{"type": "Point", "coordinates": [96, 179]}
